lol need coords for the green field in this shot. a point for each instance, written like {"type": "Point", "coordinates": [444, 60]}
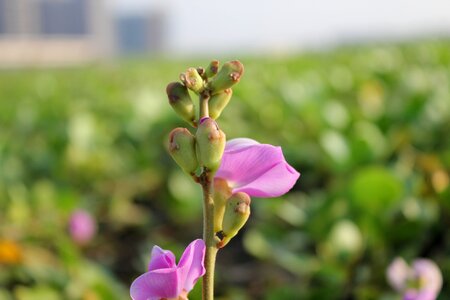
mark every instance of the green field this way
{"type": "Point", "coordinates": [368, 127]}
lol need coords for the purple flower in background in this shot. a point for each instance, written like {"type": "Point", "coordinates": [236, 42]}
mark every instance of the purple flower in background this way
{"type": "Point", "coordinates": [165, 279]}
{"type": "Point", "coordinates": [421, 281]}
{"type": "Point", "coordinates": [82, 226]}
{"type": "Point", "coordinates": [258, 170]}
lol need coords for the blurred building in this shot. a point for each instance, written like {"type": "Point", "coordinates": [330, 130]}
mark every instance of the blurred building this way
{"type": "Point", "coordinates": [140, 33]}
{"type": "Point", "coordinates": [53, 32]}
{"type": "Point", "coordinates": [67, 32]}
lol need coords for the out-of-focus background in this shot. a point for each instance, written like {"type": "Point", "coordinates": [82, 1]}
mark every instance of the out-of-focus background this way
{"type": "Point", "coordinates": [357, 93]}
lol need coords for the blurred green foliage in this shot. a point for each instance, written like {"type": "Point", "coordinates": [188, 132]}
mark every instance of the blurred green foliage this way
{"type": "Point", "coordinates": [368, 128]}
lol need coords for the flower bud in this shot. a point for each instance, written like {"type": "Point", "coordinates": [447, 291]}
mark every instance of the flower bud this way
{"type": "Point", "coordinates": [210, 144]}
{"type": "Point", "coordinates": [192, 80]}
{"type": "Point", "coordinates": [181, 102]}
{"type": "Point", "coordinates": [229, 74]}
{"type": "Point", "coordinates": [236, 215]}
{"type": "Point", "coordinates": [182, 149]}
{"type": "Point", "coordinates": [212, 69]}
{"type": "Point", "coordinates": [221, 194]}
{"type": "Point", "coordinates": [218, 102]}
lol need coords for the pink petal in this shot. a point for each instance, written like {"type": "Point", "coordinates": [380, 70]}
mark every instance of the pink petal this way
{"type": "Point", "coordinates": [419, 295]}
{"type": "Point", "coordinates": [191, 266]}
{"type": "Point", "coordinates": [161, 259]}
{"type": "Point", "coordinates": [410, 295]}
{"type": "Point", "coordinates": [157, 284]}
{"type": "Point", "coordinates": [398, 273]}
{"type": "Point", "coordinates": [239, 143]}
{"type": "Point", "coordinates": [429, 275]}
{"type": "Point", "coordinates": [275, 182]}
{"type": "Point", "coordinates": [259, 170]}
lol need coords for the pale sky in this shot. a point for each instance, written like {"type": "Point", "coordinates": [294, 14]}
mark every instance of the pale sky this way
{"type": "Point", "coordinates": [288, 25]}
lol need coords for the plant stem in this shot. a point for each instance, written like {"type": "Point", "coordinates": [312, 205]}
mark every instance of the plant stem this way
{"type": "Point", "coordinates": [204, 109]}
{"type": "Point", "coordinates": [208, 216]}
{"type": "Point", "coordinates": [208, 237]}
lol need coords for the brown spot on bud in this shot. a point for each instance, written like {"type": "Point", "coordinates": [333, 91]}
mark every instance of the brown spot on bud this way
{"type": "Point", "coordinates": [173, 98]}
{"type": "Point", "coordinates": [170, 91]}
{"type": "Point", "coordinates": [214, 66]}
{"type": "Point", "coordinates": [220, 234]}
{"type": "Point", "coordinates": [243, 204]}
{"type": "Point", "coordinates": [237, 66]}
{"type": "Point", "coordinates": [173, 146]}
{"type": "Point", "coordinates": [235, 76]}
{"type": "Point", "coordinates": [215, 135]}
{"type": "Point", "coordinates": [201, 71]}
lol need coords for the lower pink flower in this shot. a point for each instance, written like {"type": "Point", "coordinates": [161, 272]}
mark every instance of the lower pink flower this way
{"type": "Point", "coordinates": [167, 280]}
{"type": "Point", "coordinates": [82, 226]}
{"type": "Point", "coordinates": [259, 170]}
{"type": "Point", "coordinates": [421, 281]}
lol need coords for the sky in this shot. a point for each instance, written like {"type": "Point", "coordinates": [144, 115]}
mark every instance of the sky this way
{"type": "Point", "coordinates": [202, 26]}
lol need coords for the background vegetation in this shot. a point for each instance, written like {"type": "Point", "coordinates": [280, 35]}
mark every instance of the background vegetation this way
{"type": "Point", "coordinates": [368, 128]}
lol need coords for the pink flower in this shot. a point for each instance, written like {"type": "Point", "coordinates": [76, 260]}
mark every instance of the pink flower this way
{"type": "Point", "coordinates": [421, 281]}
{"type": "Point", "coordinates": [82, 226]}
{"type": "Point", "coordinates": [258, 170]}
{"type": "Point", "coordinates": [165, 279]}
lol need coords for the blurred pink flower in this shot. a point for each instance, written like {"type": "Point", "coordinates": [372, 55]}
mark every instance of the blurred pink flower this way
{"type": "Point", "coordinates": [165, 279]}
{"type": "Point", "coordinates": [82, 226]}
{"type": "Point", "coordinates": [421, 281]}
{"type": "Point", "coordinates": [259, 170]}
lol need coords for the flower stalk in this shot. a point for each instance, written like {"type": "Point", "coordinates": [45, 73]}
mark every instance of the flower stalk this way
{"type": "Point", "coordinates": [208, 236]}
{"type": "Point", "coordinates": [204, 109]}
{"type": "Point", "coordinates": [205, 181]}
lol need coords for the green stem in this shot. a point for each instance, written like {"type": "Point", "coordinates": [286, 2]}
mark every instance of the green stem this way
{"type": "Point", "coordinates": [204, 109]}
{"type": "Point", "coordinates": [208, 216]}
{"type": "Point", "coordinates": [208, 237]}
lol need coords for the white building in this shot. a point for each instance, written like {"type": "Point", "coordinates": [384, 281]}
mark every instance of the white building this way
{"type": "Point", "coordinates": [53, 32]}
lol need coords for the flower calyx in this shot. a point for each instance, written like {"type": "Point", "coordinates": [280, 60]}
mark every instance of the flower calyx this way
{"type": "Point", "coordinates": [182, 149]}
{"type": "Point", "coordinates": [237, 212]}
{"type": "Point", "coordinates": [181, 102]}
{"type": "Point", "coordinates": [210, 144]}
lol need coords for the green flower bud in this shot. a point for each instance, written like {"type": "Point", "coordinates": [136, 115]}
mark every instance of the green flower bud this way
{"type": "Point", "coordinates": [236, 215]}
{"type": "Point", "coordinates": [192, 80]}
{"type": "Point", "coordinates": [212, 69]}
{"type": "Point", "coordinates": [229, 74]}
{"type": "Point", "coordinates": [210, 144]}
{"type": "Point", "coordinates": [182, 149]}
{"type": "Point", "coordinates": [221, 194]}
{"type": "Point", "coordinates": [218, 102]}
{"type": "Point", "coordinates": [181, 102]}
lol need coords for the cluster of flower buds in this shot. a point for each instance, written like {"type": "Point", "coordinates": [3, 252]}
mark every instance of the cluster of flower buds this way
{"type": "Point", "coordinates": [211, 82]}
{"type": "Point", "coordinates": [203, 151]}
